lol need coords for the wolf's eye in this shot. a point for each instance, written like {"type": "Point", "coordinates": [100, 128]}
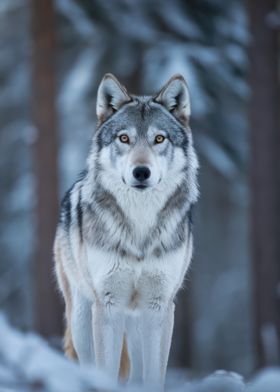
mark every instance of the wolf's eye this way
{"type": "Point", "coordinates": [159, 139]}
{"type": "Point", "coordinates": [124, 138]}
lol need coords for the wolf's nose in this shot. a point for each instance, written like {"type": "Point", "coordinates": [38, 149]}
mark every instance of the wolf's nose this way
{"type": "Point", "coordinates": [141, 173]}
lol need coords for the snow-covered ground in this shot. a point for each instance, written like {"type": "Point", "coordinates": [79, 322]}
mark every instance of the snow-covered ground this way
{"type": "Point", "coordinates": [27, 363]}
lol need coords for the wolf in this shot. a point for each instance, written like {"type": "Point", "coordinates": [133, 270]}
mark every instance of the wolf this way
{"type": "Point", "coordinates": [124, 240]}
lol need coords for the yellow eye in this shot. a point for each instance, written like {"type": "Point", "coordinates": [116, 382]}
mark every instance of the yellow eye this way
{"type": "Point", "coordinates": [124, 138]}
{"type": "Point", "coordinates": [159, 139]}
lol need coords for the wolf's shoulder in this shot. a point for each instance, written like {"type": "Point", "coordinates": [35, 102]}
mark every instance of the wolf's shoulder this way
{"type": "Point", "coordinates": [71, 202]}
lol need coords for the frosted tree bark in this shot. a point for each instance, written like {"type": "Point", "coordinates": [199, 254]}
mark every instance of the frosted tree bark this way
{"type": "Point", "coordinates": [265, 177]}
{"type": "Point", "coordinates": [48, 310]}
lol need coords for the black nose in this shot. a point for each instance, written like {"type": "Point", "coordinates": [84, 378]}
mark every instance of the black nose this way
{"type": "Point", "coordinates": [141, 173]}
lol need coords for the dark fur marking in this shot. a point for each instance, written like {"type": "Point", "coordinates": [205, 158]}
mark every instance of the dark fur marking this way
{"type": "Point", "coordinates": [175, 202]}
{"type": "Point", "coordinates": [94, 229]}
{"type": "Point", "coordinates": [65, 216]}
{"type": "Point", "coordinates": [157, 252]}
{"type": "Point", "coordinates": [190, 217]}
{"type": "Point", "coordinates": [178, 237]}
{"type": "Point", "coordinates": [143, 111]}
{"type": "Point", "coordinates": [80, 215]}
{"type": "Point", "coordinates": [96, 225]}
{"type": "Point", "coordinates": [123, 252]}
{"type": "Point", "coordinates": [108, 201]}
{"type": "Point", "coordinates": [190, 221]}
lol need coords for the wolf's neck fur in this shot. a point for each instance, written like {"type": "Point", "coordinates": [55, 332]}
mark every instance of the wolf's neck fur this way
{"type": "Point", "coordinates": [141, 208]}
{"type": "Point", "coordinates": [138, 222]}
{"type": "Point", "coordinates": [132, 222]}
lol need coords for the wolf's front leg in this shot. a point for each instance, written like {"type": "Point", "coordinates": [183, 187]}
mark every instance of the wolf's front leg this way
{"type": "Point", "coordinates": [166, 339]}
{"type": "Point", "coordinates": [108, 330]}
{"type": "Point", "coordinates": [156, 334]}
{"type": "Point", "coordinates": [134, 349]}
{"type": "Point", "coordinates": [81, 327]}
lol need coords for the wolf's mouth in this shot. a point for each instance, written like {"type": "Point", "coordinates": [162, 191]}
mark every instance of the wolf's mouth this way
{"type": "Point", "coordinates": [140, 186]}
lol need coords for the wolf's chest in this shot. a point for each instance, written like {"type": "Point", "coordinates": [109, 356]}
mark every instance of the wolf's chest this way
{"type": "Point", "coordinates": [133, 285]}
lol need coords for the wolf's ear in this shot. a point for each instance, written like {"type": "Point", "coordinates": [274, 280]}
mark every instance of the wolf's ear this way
{"type": "Point", "coordinates": [175, 97]}
{"type": "Point", "coordinates": [111, 95]}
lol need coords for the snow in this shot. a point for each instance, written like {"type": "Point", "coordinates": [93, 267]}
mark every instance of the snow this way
{"type": "Point", "coordinates": [220, 381]}
{"type": "Point", "coordinates": [27, 362]}
{"type": "Point", "coordinates": [266, 381]}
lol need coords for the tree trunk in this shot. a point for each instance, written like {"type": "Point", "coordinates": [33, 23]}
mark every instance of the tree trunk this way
{"type": "Point", "coordinates": [48, 312]}
{"type": "Point", "coordinates": [265, 179]}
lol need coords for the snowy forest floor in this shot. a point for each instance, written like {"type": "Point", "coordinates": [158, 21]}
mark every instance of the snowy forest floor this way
{"type": "Point", "coordinates": [27, 363]}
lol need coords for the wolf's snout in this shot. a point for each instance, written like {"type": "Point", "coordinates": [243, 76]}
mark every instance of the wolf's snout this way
{"type": "Point", "coordinates": [141, 173]}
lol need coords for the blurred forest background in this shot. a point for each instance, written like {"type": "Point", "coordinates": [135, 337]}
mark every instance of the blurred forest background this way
{"type": "Point", "coordinates": [53, 54]}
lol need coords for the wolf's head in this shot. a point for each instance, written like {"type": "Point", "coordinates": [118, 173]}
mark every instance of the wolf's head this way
{"type": "Point", "coordinates": [143, 143]}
